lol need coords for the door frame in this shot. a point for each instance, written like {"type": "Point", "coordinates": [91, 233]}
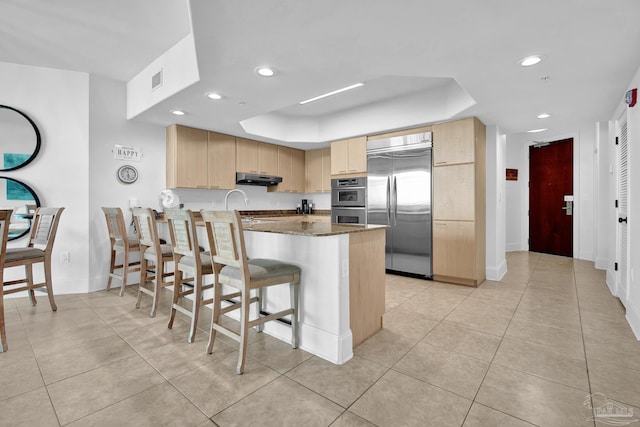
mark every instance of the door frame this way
{"type": "Point", "coordinates": [577, 211]}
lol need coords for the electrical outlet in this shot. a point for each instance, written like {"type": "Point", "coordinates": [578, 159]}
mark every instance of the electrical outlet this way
{"type": "Point", "coordinates": [64, 257]}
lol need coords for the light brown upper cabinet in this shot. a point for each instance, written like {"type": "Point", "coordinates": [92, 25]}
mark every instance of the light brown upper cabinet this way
{"type": "Point", "coordinates": [222, 172]}
{"type": "Point", "coordinates": [459, 202]}
{"type": "Point", "coordinates": [318, 170]}
{"type": "Point", "coordinates": [349, 157]}
{"type": "Point", "coordinates": [291, 169]}
{"type": "Point", "coordinates": [256, 157]}
{"type": "Point", "coordinates": [458, 145]}
{"type": "Point", "coordinates": [187, 157]}
{"type": "Point", "coordinates": [297, 170]}
{"type": "Point", "coordinates": [199, 159]}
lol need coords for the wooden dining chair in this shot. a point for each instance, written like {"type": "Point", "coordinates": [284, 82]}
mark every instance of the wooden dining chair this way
{"type": "Point", "coordinates": [121, 244]}
{"type": "Point", "coordinates": [232, 268]}
{"type": "Point", "coordinates": [154, 257]}
{"type": "Point", "coordinates": [39, 250]}
{"type": "Point", "coordinates": [190, 267]}
{"type": "Point", "coordinates": [5, 218]}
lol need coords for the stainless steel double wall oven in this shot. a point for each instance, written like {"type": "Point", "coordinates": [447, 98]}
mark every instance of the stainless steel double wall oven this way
{"type": "Point", "coordinates": [349, 200]}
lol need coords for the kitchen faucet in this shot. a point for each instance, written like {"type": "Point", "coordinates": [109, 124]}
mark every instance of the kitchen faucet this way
{"type": "Point", "coordinates": [235, 190]}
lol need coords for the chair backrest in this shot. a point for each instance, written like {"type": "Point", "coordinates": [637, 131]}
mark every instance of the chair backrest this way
{"type": "Point", "coordinates": [226, 240]}
{"type": "Point", "coordinates": [115, 223]}
{"type": "Point", "coordinates": [5, 218]}
{"type": "Point", "coordinates": [147, 227]}
{"type": "Point", "coordinates": [182, 229]}
{"type": "Point", "coordinates": [44, 228]}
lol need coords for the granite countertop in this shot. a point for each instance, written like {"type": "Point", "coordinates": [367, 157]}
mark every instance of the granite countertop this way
{"type": "Point", "coordinates": [257, 214]}
{"type": "Point", "coordinates": [276, 213]}
{"type": "Point", "coordinates": [313, 229]}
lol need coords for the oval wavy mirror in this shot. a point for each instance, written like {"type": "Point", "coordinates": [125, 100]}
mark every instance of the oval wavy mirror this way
{"type": "Point", "coordinates": [23, 200]}
{"type": "Point", "coordinates": [19, 139]}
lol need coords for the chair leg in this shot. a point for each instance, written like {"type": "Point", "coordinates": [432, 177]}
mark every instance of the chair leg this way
{"type": "Point", "coordinates": [143, 279]}
{"type": "Point", "coordinates": [215, 316]}
{"type": "Point", "coordinates": [294, 290]}
{"type": "Point", "coordinates": [197, 296]}
{"type": "Point", "coordinates": [261, 307]}
{"type": "Point", "coordinates": [244, 320]}
{"type": "Point", "coordinates": [49, 284]}
{"type": "Point", "coordinates": [159, 272]}
{"type": "Point", "coordinates": [125, 270]}
{"type": "Point", "coordinates": [177, 288]}
{"type": "Point", "coordinates": [3, 333]}
{"type": "Point", "coordinates": [28, 270]}
{"type": "Point", "coordinates": [112, 266]}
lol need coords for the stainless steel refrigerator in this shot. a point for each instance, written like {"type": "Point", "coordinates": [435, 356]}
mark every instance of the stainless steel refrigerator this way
{"type": "Point", "coordinates": [399, 195]}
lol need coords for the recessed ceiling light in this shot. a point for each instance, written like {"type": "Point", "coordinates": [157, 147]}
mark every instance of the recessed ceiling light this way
{"type": "Point", "coordinates": [177, 112]}
{"type": "Point", "coordinates": [324, 95]}
{"type": "Point", "coordinates": [265, 71]}
{"type": "Point", "coordinates": [214, 95]}
{"type": "Point", "coordinates": [544, 116]}
{"type": "Point", "coordinates": [536, 130]}
{"type": "Point", "coordinates": [530, 60]}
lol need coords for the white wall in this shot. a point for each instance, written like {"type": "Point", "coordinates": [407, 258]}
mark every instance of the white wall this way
{"type": "Point", "coordinates": [517, 192]}
{"type": "Point", "coordinates": [108, 127]}
{"type": "Point", "coordinates": [496, 263]}
{"type": "Point", "coordinates": [514, 200]}
{"type": "Point", "coordinates": [58, 102]}
{"type": "Point", "coordinates": [603, 197]}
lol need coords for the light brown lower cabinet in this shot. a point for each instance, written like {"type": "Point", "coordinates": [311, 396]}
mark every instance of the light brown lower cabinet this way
{"type": "Point", "coordinates": [455, 259]}
{"type": "Point", "coordinates": [366, 283]}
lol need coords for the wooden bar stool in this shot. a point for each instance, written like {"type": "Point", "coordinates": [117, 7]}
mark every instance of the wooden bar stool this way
{"type": "Point", "coordinates": [39, 249]}
{"type": "Point", "coordinates": [154, 258]}
{"type": "Point", "coordinates": [121, 243]}
{"type": "Point", "coordinates": [232, 268]}
{"type": "Point", "coordinates": [188, 260]}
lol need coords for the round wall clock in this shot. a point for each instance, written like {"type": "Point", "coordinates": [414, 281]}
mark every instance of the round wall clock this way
{"type": "Point", "coordinates": [127, 174]}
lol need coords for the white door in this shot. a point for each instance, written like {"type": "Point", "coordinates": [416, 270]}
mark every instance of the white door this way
{"type": "Point", "coordinates": [622, 234]}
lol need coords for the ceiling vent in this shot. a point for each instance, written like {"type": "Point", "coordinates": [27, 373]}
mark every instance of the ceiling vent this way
{"type": "Point", "coordinates": [156, 80]}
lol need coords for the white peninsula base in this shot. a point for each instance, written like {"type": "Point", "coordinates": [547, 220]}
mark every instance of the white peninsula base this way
{"type": "Point", "coordinates": [341, 292]}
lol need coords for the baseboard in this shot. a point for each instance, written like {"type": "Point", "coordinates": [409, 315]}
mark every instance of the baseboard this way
{"type": "Point", "coordinates": [610, 280]}
{"type": "Point", "coordinates": [602, 263]}
{"type": "Point", "coordinates": [497, 273]}
{"type": "Point", "coordinates": [633, 318]}
{"type": "Point", "coordinates": [514, 247]}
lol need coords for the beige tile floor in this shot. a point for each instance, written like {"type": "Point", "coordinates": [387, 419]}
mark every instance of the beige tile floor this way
{"type": "Point", "coordinates": [537, 348]}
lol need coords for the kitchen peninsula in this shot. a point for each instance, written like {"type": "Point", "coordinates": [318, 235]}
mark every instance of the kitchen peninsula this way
{"type": "Point", "coordinates": [343, 278]}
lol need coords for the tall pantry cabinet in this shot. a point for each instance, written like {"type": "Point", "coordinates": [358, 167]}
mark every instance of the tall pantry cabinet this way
{"type": "Point", "coordinates": [459, 202]}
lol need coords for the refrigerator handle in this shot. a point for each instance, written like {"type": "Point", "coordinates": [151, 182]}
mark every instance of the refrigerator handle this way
{"type": "Point", "coordinates": [395, 200]}
{"type": "Point", "coordinates": [388, 200]}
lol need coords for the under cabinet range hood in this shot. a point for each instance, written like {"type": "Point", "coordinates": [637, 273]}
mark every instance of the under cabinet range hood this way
{"type": "Point", "coordinates": [255, 179]}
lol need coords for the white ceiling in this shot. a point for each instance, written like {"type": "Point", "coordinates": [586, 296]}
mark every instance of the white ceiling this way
{"type": "Point", "coordinates": [405, 51]}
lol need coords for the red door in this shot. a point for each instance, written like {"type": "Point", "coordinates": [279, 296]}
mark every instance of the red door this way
{"type": "Point", "coordinates": [551, 197]}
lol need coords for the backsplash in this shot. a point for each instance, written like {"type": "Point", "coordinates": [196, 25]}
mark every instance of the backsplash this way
{"type": "Point", "coordinates": [259, 199]}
